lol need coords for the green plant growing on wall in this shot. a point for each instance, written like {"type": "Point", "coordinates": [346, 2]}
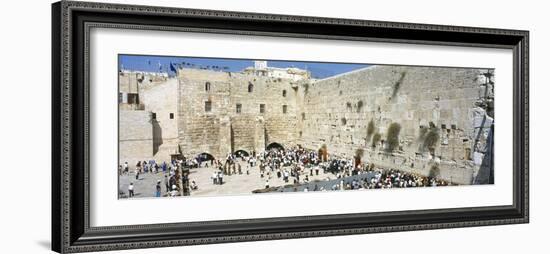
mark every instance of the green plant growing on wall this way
{"type": "Point", "coordinates": [359, 106]}
{"type": "Point", "coordinates": [430, 138]}
{"type": "Point", "coordinates": [370, 129]}
{"type": "Point", "coordinates": [375, 139]}
{"type": "Point", "coordinates": [397, 84]}
{"type": "Point", "coordinates": [422, 133]}
{"type": "Point", "coordinates": [306, 88]}
{"type": "Point", "coordinates": [393, 136]}
{"type": "Point", "coordinates": [359, 152]}
{"type": "Point", "coordinates": [434, 171]}
{"type": "Point", "coordinates": [358, 155]}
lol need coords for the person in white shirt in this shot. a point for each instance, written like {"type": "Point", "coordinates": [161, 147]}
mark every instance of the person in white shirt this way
{"type": "Point", "coordinates": [215, 177]}
{"type": "Point", "coordinates": [131, 190]}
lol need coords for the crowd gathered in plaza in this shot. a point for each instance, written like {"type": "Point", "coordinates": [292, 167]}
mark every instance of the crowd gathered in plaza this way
{"type": "Point", "coordinates": [170, 181]}
{"type": "Point", "coordinates": [300, 164]}
{"type": "Point", "coordinates": [295, 166]}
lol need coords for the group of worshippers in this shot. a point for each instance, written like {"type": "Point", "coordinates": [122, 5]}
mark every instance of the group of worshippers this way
{"type": "Point", "coordinates": [300, 163]}
{"type": "Point", "coordinates": [393, 178]}
{"type": "Point", "coordinates": [294, 165]}
{"type": "Point", "coordinates": [171, 176]}
{"type": "Point", "coordinates": [230, 167]}
{"type": "Point", "coordinates": [150, 166]}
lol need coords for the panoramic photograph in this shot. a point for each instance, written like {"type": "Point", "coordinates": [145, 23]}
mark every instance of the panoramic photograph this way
{"type": "Point", "coordinates": [191, 126]}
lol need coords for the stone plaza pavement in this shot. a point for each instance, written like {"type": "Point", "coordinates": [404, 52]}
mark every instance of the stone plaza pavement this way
{"type": "Point", "coordinates": [236, 184]}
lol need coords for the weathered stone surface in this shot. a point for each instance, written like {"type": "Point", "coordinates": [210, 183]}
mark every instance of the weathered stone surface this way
{"type": "Point", "coordinates": [444, 114]}
{"type": "Point", "coordinates": [135, 136]}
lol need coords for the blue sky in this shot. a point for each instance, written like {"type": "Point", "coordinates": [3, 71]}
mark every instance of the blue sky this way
{"type": "Point", "coordinates": [162, 63]}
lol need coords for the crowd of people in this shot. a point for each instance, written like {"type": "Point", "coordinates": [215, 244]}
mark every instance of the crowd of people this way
{"type": "Point", "coordinates": [175, 182]}
{"type": "Point", "coordinates": [376, 179]}
{"type": "Point", "coordinates": [295, 166]}
{"type": "Point", "coordinates": [299, 163]}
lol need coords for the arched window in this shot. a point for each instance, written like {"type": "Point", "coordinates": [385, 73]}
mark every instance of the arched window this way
{"type": "Point", "coordinates": [207, 86]}
{"type": "Point", "coordinates": [284, 93]}
{"type": "Point", "coordinates": [250, 87]}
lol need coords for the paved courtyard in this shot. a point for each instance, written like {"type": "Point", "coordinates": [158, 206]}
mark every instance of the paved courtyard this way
{"type": "Point", "coordinates": [235, 184]}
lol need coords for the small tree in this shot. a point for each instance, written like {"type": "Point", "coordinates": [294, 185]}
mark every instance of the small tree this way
{"type": "Point", "coordinates": [393, 136]}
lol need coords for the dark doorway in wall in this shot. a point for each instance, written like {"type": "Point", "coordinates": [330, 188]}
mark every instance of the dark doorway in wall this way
{"type": "Point", "coordinates": [275, 145]}
{"type": "Point", "coordinates": [205, 157]}
{"type": "Point", "coordinates": [241, 153]}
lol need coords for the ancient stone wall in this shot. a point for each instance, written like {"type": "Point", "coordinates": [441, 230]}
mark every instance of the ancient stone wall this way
{"type": "Point", "coordinates": [257, 110]}
{"type": "Point", "coordinates": [199, 130]}
{"type": "Point", "coordinates": [135, 136]}
{"type": "Point", "coordinates": [160, 98]}
{"type": "Point", "coordinates": [437, 110]}
{"type": "Point", "coordinates": [441, 118]}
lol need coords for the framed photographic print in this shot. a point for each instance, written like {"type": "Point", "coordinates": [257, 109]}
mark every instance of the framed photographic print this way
{"type": "Point", "coordinates": [181, 126]}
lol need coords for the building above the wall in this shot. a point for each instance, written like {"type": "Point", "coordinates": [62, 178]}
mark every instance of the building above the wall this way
{"type": "Point", "coordinates": [261, 68]}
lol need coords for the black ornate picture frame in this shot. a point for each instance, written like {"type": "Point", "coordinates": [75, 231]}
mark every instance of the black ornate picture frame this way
{"type": "Point", "coordinates": [71, 230]}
